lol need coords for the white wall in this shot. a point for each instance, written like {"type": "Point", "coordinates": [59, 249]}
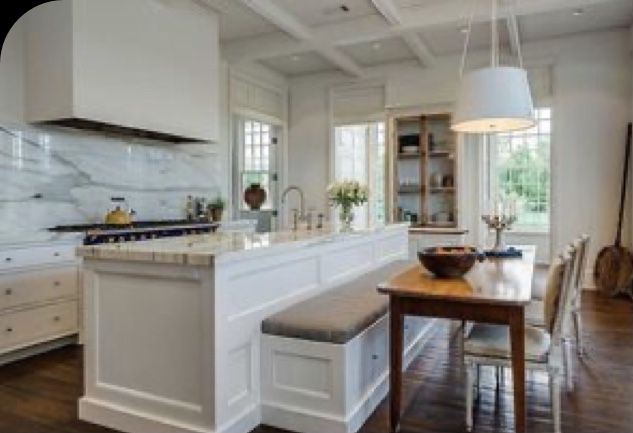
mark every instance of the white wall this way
{"type": "Point", "coordinates": [591, 76]}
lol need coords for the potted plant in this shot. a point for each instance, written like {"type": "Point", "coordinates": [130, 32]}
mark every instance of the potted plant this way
{"type": "Point", "coordinates": [216, 208]}
{"type": "Point", "coordinates": [347, 194]}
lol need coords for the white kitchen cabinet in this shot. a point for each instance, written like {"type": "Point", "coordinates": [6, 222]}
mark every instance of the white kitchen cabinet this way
{"type": "Point", "coordinates": [143, 64]}
{"type": "Point", "coordinates": [40, 300]}
{"type": "Point", "coordinates": [20, 329]}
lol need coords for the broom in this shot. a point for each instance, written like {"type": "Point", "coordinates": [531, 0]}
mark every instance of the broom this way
{"type": "Point", "coordinates": [614, 265]}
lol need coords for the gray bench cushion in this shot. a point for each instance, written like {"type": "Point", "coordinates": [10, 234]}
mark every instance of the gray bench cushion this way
{"type": "Point", "coordinates": [339, 314]}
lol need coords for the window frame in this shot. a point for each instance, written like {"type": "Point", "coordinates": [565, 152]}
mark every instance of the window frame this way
{"type": "Point", "coordinates": [491, 164]}
{"type": "Point", "coordinates": [241, 167]}
{"type": "Point", "coordinates": [370, 154]}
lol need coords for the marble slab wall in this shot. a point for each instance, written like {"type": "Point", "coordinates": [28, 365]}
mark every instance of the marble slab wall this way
{"type": "Point", "coordinates": [51, 176]}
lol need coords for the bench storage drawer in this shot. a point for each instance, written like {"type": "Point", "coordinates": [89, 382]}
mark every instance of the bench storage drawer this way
{"type": "Point", "coordinates": [27, 327]}
{"type": "Point", "coordinates": [21, 288]}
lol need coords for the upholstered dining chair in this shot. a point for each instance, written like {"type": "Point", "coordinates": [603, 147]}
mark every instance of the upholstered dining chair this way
{"type": "Point", "coordinates": [534, 311]}
{"type": "Point", "coordinates": [489, 345]}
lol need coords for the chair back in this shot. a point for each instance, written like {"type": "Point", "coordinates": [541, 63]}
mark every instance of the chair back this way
{"type": "Point", "coordinates": [558, 293]}
{"type": "Point", "coordinates": [581, 244]}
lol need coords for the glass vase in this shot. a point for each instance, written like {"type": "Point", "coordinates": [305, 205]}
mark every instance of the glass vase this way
{"type": "Point", "coordinates": [346, 217]}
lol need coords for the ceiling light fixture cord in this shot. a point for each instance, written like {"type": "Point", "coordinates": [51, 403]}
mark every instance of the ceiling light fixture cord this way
{"type": "Point", "coordinates": [494, 34]}
{"type": "Point", "coordinates": [469, 25]}
{"type": "Point", "coordinates": [515, 29]}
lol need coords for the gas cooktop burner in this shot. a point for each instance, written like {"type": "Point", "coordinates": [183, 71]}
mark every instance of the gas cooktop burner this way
{"type": "Point", "coordinates": [96, 234]}
{"type": "Point", "coordinates": [133, 225]}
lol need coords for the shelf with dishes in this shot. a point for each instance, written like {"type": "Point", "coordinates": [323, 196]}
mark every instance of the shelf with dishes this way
{"type": "Point", "coordinates": [442, 190]}
{"type": "Point", "coordinates": [410, 189]}
{"type": "Point", "coordinates": [424, 167]}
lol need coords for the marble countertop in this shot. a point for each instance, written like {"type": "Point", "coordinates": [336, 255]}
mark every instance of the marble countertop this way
{"type": "Point", "coordinates": [19, 239]}
{"type": "Point", "coordinates": [203, 249]}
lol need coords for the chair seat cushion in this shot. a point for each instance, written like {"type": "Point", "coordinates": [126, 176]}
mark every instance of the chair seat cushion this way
{"type": "Point", "coordinates": [339, 314]}
{"type": "Point", "coordinates": [494, 341]}
{"type": "Point", "coordinates": [539, 281]}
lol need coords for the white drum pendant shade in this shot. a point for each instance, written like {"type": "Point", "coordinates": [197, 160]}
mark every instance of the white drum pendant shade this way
{"type": "Point", "coordinates": [494, 99]}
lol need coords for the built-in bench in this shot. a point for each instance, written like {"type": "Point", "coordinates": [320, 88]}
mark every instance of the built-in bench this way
{"type": "Point", "coordinates": [324, 364]}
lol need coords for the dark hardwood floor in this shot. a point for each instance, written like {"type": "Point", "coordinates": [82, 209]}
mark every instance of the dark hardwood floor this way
{"type": "Point", "coordinates": [40, 394]}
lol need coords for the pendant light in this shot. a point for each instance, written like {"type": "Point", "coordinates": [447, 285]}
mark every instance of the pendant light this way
{"type": "Point", "coordinates": [495, 98]}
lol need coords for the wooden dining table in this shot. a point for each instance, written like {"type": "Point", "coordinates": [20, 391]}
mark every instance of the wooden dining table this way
{"type": "Point", "coordinates": [494, 291]}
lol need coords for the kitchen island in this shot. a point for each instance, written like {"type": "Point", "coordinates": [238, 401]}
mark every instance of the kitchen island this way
{"type": "Point", "coordinates": [172, 326]}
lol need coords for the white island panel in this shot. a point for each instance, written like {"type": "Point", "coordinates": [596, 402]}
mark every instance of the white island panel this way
{"type": "Point", "coordinates": [173, 325]}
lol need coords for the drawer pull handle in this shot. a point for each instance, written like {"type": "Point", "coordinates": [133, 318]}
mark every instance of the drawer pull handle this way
{"type": "Point", "coordinates": [8, 259]}
{"type": "Point", "coordinates": [374, 357]}
{"type": "Point", "coordinates": [8, 292]}
{"type": "Point", "coordinates": [56, 318]}
{"type": "Point", "coordinates": [9, 329]}
{"type": "Point", "coordinates": [56, 254]}
{"type": "Point", "coordinates": [56, 283]}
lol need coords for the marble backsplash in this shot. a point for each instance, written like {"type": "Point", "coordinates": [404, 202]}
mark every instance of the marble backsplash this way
{"type": "Point", "coordinates": [53, 176]}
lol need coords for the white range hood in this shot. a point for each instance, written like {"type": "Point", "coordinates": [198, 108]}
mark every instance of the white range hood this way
{"type": "Point", "coordinates": [142, 67]}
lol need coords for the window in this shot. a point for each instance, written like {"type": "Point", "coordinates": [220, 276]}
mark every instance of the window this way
{"type": "Point", "coordinates": [520, 170]}
{"type": "Point", "coordinates": [360, 155]}
{"type": "Point", "coordinates": [257, 158]}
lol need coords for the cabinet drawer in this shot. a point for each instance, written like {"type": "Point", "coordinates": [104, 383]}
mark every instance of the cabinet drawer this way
{"type": "Point", "coordinates": [20, 257]}
{"type": "Point", "coordinates": [37, 324]}
{"type": "Point", "coordinates": [20, 288]}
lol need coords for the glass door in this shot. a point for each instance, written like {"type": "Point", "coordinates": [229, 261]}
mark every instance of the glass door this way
{"type": "Point", "coordinates": [256, 167]}
{"type": "Point", "coordinates": [359, 154]}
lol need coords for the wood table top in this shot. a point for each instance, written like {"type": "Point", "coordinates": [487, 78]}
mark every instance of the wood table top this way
{"type": "Point", "coordinates": [494, 281]}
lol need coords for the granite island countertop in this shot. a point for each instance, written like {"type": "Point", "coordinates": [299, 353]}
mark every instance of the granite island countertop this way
{"type": "Point", "coordinates": [204, 249]}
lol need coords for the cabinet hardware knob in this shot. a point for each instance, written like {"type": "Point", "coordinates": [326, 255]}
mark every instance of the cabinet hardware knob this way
{"type": "Point", "coordinates": [56, 254]}
{"type": "Point", "coordinates": [56, 318]}
{"type": "Point", "coordinates": [56, 283]}
{"type": "Point", "coordinates": [8, 292]}
{"type": "Point", "coordinates": [374, 357]}
{"type": "Point", "coordinates": [8, 259]}
{"type": "Point", "coordinates": [9, 329]}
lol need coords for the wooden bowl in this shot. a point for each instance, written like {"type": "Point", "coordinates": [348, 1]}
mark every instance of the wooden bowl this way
{"type": "Point", "coordinates": [448, 261]}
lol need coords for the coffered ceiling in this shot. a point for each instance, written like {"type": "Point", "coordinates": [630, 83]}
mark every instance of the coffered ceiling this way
{"type": "Point", "coordinates": [298, 37]}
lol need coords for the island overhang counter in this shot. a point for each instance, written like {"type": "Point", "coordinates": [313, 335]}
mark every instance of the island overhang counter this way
{"type": "Point", "coordinates": [172, 326]}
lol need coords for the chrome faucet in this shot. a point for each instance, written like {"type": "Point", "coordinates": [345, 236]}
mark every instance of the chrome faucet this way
{"type": "Point", "coordinates": [301, 201]}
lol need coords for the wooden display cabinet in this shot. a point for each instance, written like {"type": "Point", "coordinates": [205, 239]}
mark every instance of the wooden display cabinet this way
{"type": "Point", "coordinates": [424, 156]}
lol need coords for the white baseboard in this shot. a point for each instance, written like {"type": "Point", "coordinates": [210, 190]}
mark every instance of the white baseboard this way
{"type": "Point", "coordinates": [37, 349]}
{"type": "Point", "coordinates": [124, 419]}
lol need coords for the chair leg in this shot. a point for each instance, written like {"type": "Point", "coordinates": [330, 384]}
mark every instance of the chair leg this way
{"type": "Point", "coordinates": [554, 384]}
{"type": "Point", "coordinates": [470, 378]}
{"type": "Point", "coordinates": [567, 364]}
{"type": "Point", "coordinates": [580, 348]}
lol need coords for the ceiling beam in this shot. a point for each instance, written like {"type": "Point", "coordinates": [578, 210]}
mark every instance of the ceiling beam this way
{"type": "Point", "coordinates": [419, 48]}
{"type": "Point", "coordinates": [289, 23]}
{"type": "Point", "coordinates": [373, 28]}
{"type": "Point", "coordinates": [389, 10]}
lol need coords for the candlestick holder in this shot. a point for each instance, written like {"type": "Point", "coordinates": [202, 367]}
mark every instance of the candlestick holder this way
{"type": "Point", "coordinates": [499, 223]}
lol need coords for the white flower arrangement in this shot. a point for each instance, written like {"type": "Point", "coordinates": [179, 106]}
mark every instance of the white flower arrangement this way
{"type": "Point", "coordinates": [347, 193]}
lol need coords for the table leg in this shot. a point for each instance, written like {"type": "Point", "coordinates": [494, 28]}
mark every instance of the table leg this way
{"type": "Point", "coordinates": [517, 342]}
{"type": "Point", "coordinates": [395, 364]}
